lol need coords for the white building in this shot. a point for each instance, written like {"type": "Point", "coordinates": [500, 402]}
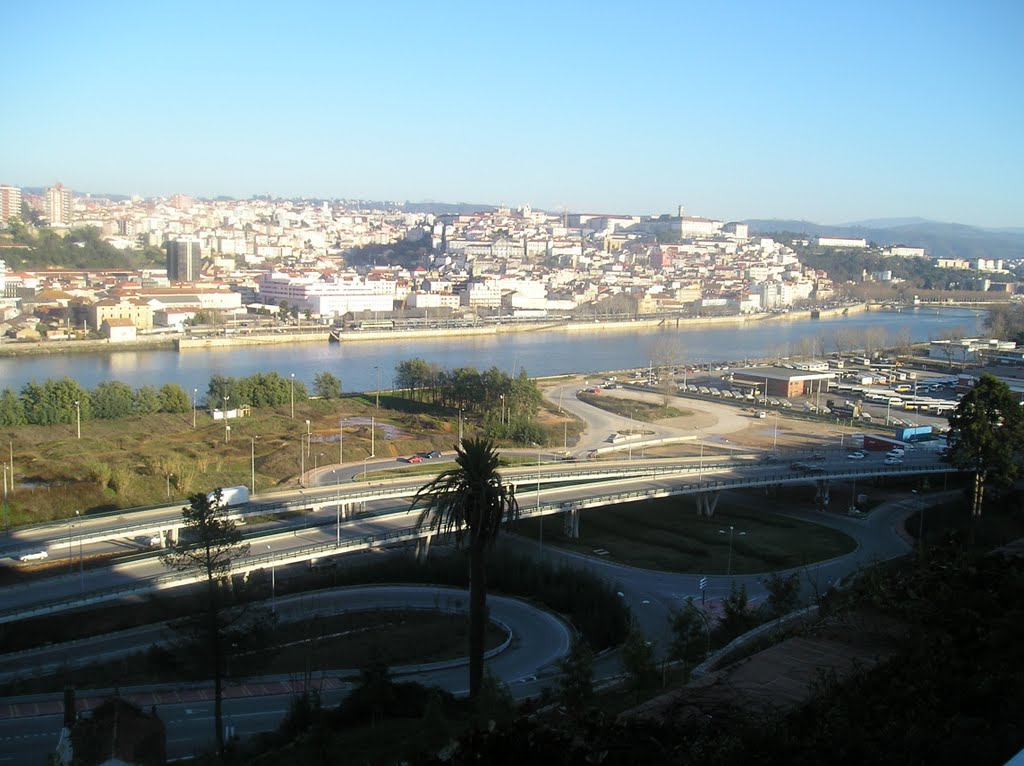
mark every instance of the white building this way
{"type": "Point", "coordinates": [840, 242]}
{"type": "Point", "coordinates": [324, 297]}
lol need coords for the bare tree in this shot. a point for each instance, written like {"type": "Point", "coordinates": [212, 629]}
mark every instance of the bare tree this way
{"type": "Point", "coordinates": [665, 353]}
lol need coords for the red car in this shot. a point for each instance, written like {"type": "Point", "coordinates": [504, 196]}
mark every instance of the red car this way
{"type": "Point", "coordinates": [414, 459]}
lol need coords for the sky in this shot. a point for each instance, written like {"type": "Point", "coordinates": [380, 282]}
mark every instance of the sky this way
{"type": "Point", "coordinates": [823, 111]}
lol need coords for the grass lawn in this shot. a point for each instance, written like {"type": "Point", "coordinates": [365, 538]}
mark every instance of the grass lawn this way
{"type": "Point", "coordinates": [667, 535]}
{"type": "Point", "coordinates": [336, 642]}
{"type": "Point", "coordinates": [644, 411]}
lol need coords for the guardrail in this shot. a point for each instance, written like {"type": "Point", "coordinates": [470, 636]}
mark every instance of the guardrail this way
{"type": "Point", "coordinates": [366, 542]}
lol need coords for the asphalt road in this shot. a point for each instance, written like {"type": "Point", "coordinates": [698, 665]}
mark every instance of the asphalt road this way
{"type": "Point", "coordinates": [540, 638]}
{"type": "Point", "coordinates": [651, 595]}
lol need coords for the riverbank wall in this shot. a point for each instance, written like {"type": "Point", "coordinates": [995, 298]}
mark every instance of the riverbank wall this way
{"type": "Point", "coordinates": [17, 348]}
{"type": "Point", "coordinates": [264, 339]}
{"type": "Point", "coordinates": [37, 348]}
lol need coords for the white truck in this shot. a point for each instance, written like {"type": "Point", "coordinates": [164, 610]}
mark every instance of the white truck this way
{"type": "Point", "coordinates": [230, 496]}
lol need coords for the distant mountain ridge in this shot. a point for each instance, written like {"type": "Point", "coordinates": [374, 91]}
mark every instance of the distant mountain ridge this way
{"type": "Point", "coordinates": [940, 240]}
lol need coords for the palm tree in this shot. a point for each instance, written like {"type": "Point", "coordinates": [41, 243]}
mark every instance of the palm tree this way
{"type": "Point", "coordinates": [469, 503]}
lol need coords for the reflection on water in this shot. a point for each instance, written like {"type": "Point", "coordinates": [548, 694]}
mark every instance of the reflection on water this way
{"type": "Point", "coordinates": [548, 353]}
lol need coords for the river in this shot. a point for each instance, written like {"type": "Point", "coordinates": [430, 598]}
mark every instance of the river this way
{"type": "Point", "coordinates": [548, 353]}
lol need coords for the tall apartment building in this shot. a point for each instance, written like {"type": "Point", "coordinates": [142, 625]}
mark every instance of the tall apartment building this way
{"type": "Point", "coordinates": [184, 260]}
{"type": "Point", "coordinates": [58, 205]}
{"type": "Point", "coordinates": [10, 204]}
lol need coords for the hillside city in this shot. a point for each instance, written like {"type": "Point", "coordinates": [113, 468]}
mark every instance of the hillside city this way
{"type": "Point", "coordinates": [333, 261]}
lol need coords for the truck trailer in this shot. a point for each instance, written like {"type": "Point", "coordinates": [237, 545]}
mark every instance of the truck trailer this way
{"type": "Point", "coordinates": [230, 496]}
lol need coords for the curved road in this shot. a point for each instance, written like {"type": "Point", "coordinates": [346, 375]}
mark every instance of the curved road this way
{"type": "Point", "coordinates": [30, 727]}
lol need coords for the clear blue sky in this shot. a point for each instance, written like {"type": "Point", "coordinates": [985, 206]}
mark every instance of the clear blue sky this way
{"type": "Point", "coordinates": [827, 111]}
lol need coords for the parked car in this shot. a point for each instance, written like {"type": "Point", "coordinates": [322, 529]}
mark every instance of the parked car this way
{"type": "Point", "coordinates": [858, 455]}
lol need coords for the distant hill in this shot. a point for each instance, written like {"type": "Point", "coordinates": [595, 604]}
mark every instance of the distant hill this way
{"type": "Point", "coordinates": [941, 240]}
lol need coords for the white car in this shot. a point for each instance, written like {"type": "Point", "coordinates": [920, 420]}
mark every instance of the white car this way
{"type": "Point", "coordinates": [40, 556]}
{"type": "Point", "coordinates": [893, 461]}
{"type": "Point", "coordinates": [858, 455]}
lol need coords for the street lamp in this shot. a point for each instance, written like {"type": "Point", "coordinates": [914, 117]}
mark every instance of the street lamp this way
{"type": "Point", "coordinates": [195, 392]}
{"type": "Point", "coordinates": [700, 467]}
{"type": "Point", "coordinates": [460, 426]}
{"type": "Point", "coordinates": [302, 460]}
{"type": "Point", "coordinates": [920, 518]}
{"type": "Point", "coordinates": [502, 408]}
{"type": "Point", "coordinates": [273, 582]}
{"type": "Point", "coordinates": [775, 437]}
{"type": "Point", "coordinates": [631, 413]}
{"type": "Point", "coordinates": [732, 529]}
{"type": "Point", "coordinates": [291, 392]}
{"type": "Point", "coordinates": [78, 417]}
{"type": "Point", "coordinates": [315, 461]}
{"type": "Point", "coordinates": [377, 368]}
{"type": "Point", "coordinates": [224, 413]}
{"type": "Point", "coordinates": [341, 442]}
{"type": "Point", "coordinates": [373, 431]}
{"type": "Point", "coordinates": [252, 463]}
{"type": "Point", "coordinates": [81, 559]}
{"type": "Point", "coordinates": [309, 442]}
{"type": "Point", "coordinates": [227, 434]}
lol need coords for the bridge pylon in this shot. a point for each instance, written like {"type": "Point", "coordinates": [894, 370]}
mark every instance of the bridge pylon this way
{"type": "Point", "coordinates": [707, 502]}
{"type": "Point", "coordinates": [821, 495]}
{"type": "Point", "coordinates": [572, 523]}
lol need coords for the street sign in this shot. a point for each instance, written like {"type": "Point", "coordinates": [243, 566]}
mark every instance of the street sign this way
{"type": "Point", "coordinates": [703, 583]}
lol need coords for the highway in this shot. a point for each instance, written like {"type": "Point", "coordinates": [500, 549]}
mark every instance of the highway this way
{"type": "Point", "coordinates": [379, 515]}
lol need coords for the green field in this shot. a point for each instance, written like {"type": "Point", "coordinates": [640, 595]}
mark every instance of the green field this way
{"type": "Point", "coordinates": [667, 535]}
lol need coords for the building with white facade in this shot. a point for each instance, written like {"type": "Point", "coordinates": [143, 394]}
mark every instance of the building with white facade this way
{"type": "Point", "coordinates": [58, 205]}
{"type": "Point", "coordinates": [325, 297]}
{"type": "Point", "coordinates": [10, 204]}
{"type": "Point", "coordinates": [840, 242]}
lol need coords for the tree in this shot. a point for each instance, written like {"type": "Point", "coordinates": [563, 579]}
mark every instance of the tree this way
{"type": "Point", "coordinates": [147, 400]}
{"type": "Point", "coordinates": [638, 660]}
{"type": "Point", "coordinates": [111, 400]}
{"type": "Point", "coordinates": [986, 436]}
{"type": "Point", "coordinates": [783, 594]}
{"type": "Point", "coordinates": [469, 503]}
{"type": "Point", "coordinates": [690, 639]}
{"type": "Point", "coordinates": [576, 684]}
{"type": "Point", "coordinates": [173, 398]}
{"type": "Point", "coordinates": [208, 546]}
{"type": "Point", "coordinates": [12, 410]}
{"type": "Point", "coordinates": [326, 386]}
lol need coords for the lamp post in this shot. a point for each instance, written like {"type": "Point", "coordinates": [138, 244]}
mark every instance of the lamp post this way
{"type": "Point", "coordinates": [732, 529]}
{"type": "Point", "coordinates": [540, 519]}
{"type": "Point", "coordinates": [460, 426]}
{"type": "Point", "coordinates": [224, 412]}
{"type": "Point", "coordinates": [700, 466]}
{"type": "Point", "coordinates": [502, 408]}
{"type": "Point", "coordinates": [887, 406]}
{"type": "Point", "coordinates": [341, 442]}
{"type": "Point", "coordinates": [227, 434]}
{"type": "Point", "coordinates": [78, 418]}
{"type": "Point", "coordinates": [169, 477]}
{"type": "Point", "coordinates": [6, 511]}
{"type": "Point", "coordinates": [373, 431]}
{"type": "Point", "coordinates": [252, 464]}
{"type": "Point", "coordinates": [316, 457]}
{"type": "Point", "coordinates": [81, 559]}
{"type": "Point", "coordinates": [920, 518]}
{"type": "Point", "coordinates": [337, 492]}
{"type": "Point", "coordinates": [377, 368]}
{"type": "Point", "coordinates": [302, 460]}
{"type": "Point", "coordinates": [291, 392]}
{"type": "Point", "coordinates": [631, 413]}
{"type": "Point", "coordinates": [195, 393]}
{"type": "Point", "coordinates": [309, 442]}
{"type": "Point", "coordinates": [273, 583]}
{"type": "Point", "coordinates": [775, 436]}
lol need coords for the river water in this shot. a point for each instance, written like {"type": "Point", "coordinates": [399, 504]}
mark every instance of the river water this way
{"type": "Point", "coordinates": [540, 354]}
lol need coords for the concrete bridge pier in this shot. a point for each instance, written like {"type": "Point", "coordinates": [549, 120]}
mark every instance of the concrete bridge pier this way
{"type": "Point", "coordinates": [423, 548]}
{"type": "Point", "coordinates": [821, 496]}
{"type": "Point", "coordinates": [172, 536]}
{"type": "Point", "coordinates": [572, 523]}
{"type": "Point", "coordinates": [707, 502]}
